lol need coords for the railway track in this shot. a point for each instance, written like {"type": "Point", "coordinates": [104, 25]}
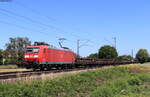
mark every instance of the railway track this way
{"type": "Point", "coordinates": [7, 76]}
{"type": "Point", "coordinates": [25, 74]}
{"type": "Point", "coordinates": [1, 73]}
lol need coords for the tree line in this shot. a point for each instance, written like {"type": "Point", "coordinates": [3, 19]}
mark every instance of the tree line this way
{"type": "Point", "coordinates": [14, 50]}
{"type": "Point", "coordinates": [109, 52]}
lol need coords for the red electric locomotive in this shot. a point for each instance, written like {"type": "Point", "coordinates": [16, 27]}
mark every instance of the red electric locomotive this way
{"type": "Point", "coordinates": [42, 56]}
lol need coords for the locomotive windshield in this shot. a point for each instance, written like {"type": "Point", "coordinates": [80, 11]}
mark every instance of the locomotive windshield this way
{"type": "Point", "coordinates": [32, 50]}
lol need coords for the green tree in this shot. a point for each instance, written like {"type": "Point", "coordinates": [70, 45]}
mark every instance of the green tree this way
{"type": "Point", "coordinates": [142, 55]}
{"type": "Point", "coordinates": [15, 49]}
{"type": "Point", "coordinates": [1, 56]}
{"type": "Point", "coordinates": [107, 52]}
{"type": "Point", "coordinates": [7, 57]}
{"type": "Point", "coordinates": [93, 56]}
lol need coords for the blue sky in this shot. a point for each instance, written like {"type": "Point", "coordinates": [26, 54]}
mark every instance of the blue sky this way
{"type": "Point", "coordinates": [95, 20]}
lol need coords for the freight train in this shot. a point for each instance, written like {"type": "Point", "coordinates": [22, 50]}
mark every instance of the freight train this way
{"type": "Point", "coordinates": [45, 57]}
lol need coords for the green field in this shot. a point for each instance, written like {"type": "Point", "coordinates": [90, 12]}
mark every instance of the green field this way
{"type": "Point", "coordinates": [119, 81]}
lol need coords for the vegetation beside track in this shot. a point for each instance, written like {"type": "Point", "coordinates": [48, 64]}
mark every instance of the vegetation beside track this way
{"type": "Point", "coordinates": [118, 81]}
{"type": "Point", "coordinates": [11, 68]}
{"type": "Point", "coordinates": [8, 66]}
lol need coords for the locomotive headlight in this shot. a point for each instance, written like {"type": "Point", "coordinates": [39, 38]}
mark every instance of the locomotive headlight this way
{"type": "Point", "coordinates": [26, 56]}
{"type": "Point", "coordinates": [36, 56]}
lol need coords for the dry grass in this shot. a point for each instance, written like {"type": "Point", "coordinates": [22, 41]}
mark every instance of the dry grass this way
{"type": "Point", "coordinates": [140, 70]}
{"type": "Point", "coordinates": [12, 70]}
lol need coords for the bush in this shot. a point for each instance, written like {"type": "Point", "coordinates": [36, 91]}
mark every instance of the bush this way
{"type": "Point", "coordinates": [134, 81]}
{"type": "Point", "coordinates": [148, 59]}
{"type": "Point", "coordinates": [93, 56]}
{"type": "Point", "coordinates": [124, 57]}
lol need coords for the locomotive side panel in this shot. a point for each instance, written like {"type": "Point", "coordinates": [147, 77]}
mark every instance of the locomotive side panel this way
{"type": "Point", "coordinates": [54, 56]}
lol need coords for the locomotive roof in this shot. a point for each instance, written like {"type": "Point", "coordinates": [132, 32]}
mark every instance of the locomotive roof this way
{"type": "Point", "coordinates": [50, 47]}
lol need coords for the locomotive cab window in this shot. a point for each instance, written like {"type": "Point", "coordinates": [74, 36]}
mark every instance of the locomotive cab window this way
{"type": "Point", "coordinates": [32, 50]}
